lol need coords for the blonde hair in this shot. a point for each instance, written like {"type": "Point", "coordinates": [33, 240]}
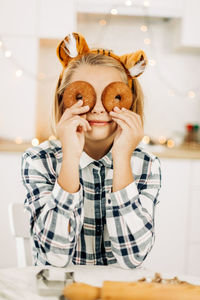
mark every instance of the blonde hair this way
{"type": "Point", "coordinates": [92, 59]}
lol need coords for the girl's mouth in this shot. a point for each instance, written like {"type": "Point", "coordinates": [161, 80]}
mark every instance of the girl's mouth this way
{"type": "Point", "coordinates": [99, 123]}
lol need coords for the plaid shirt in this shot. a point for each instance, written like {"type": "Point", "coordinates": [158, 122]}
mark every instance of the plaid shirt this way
{"type": "Point", "coordinates": [105, 227]}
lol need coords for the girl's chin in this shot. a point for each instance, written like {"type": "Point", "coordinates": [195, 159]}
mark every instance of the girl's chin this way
{"type": "Point", "coordinates": [97, 135]}
{"type": "Point", "coordinates": [100, 132]}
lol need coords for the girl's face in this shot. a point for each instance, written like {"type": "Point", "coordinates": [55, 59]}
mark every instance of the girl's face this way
{"type": "Point", "coordinates": [99, 77]}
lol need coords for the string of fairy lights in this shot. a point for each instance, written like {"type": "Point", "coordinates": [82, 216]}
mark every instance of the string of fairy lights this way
{"type": "Point", "coordinates": [148, 39]}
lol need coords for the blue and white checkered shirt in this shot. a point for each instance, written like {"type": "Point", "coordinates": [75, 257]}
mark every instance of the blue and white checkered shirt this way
{"type": "Point", "coordinates": [105, 227]}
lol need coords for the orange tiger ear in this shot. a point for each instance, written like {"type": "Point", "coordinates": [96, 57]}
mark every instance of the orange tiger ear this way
{"type": "Point", "coordinates": [73, 45]}
{"type": "Point", "coordinates": [135, 62]}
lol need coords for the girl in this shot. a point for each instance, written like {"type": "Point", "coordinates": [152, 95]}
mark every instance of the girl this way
{"type": "Point", "coordinates": [92, 192]}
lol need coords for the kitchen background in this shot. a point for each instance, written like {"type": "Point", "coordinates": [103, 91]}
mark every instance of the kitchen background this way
{"type": "Point", "coordinates": [168, 31]}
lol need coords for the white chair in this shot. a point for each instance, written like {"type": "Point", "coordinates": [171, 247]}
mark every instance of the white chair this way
{"type": "Point", "coordinates": [19, 224]}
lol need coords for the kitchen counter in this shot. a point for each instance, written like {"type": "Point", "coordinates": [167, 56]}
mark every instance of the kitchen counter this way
{"type": "Point", "coordinates": [180, 152]}
{"type": "Point", "coordinates": [13, 147]}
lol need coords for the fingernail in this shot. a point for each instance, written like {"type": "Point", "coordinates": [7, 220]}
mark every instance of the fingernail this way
{"type": "Point", "coordinates": [80, 101]}
{"type": "Point", "coordinates": [116, 108]}
{"type": "Point", "coordinates": [123, 108]}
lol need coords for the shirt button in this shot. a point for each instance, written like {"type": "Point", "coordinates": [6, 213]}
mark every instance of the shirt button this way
{"type": "Point", "coordinates": [97, 190]}
{"type": "Point", "coordinates": [98, 229]}
{"type": "Point", "coordinates": [109, 201]}
{"type": "Point", "coordinates": [69, 201]}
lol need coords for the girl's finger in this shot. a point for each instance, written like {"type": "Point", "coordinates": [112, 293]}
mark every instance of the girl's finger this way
{"type": "Point", "coordinates": [88, 125]}
{"type": "Point", "coordinates": [135, 120]}
{"type": "Point", "coordinates": [132, 119]}
{"type": "Point", "coordinates": [121, 123]}
{"type": "Point", "coordinates": [132, 114]}
{"type": "Point", "coordinates": [78, 103]}
{"type": "Point", "coordinates": [125, 118]}
{"type": "Point", "coordinates": [84, 122]}
{"type": "Point", "coordinates": [80, 110]}
{"type": "Point", "coordinates": [77, 124]}
{"type": "Point", "coordinates": [74, 110]}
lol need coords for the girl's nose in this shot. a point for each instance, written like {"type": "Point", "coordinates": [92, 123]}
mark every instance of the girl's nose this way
{"type": "Point", "coordinates": [98, 108]}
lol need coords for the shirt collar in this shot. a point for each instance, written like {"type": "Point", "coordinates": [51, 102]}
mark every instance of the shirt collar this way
{"type": "Point", "coordinates": [106, 160]}
{"type": "Point", "coordinates": [85, 159]}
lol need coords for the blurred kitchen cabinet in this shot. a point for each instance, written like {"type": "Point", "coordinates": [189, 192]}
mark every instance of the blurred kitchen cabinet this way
{"type": "Point", "coordinates": [194, 211]}
{"type": "Point", "coordinates": [190, 24]}
{"type": "Point", "coordinates": [171, 218]}
{"type": "Point", "coordinates": [196, 174]}
{"type": "Point", "coordinates": [194, 260]}
{"type": "Point", "coordinates": [177, 230]}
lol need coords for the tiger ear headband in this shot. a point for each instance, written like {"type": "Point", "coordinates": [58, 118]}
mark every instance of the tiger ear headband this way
{"type": "Point", "coordinates": [74, 45]}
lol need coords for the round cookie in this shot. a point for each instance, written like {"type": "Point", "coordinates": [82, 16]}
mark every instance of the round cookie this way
{"type": "Point", "coordinates": [118, 94]}
{"type": "Point", "coordinates": [79, 90]}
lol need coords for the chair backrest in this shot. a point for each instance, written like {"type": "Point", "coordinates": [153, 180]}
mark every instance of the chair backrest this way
{"type": "Point", "coordinates": [19, 224]}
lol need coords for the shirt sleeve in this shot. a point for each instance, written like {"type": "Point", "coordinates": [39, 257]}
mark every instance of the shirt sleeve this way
{"type": "Point", "coordinates": [130, 216]}
{"type": "Point", "coordinates": [52, 209]}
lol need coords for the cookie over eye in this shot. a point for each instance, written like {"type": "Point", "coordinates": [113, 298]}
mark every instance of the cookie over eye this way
{"type": "Point", "coordinates": [118, 94]}
{"type": "Point", "coordinates": [79, 90]}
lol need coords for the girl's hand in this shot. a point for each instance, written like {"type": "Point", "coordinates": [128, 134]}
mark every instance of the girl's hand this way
{"type": "Point", "coordinates": [70, 130]}
{"type": "Point", "coordinates": [129, 132]}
